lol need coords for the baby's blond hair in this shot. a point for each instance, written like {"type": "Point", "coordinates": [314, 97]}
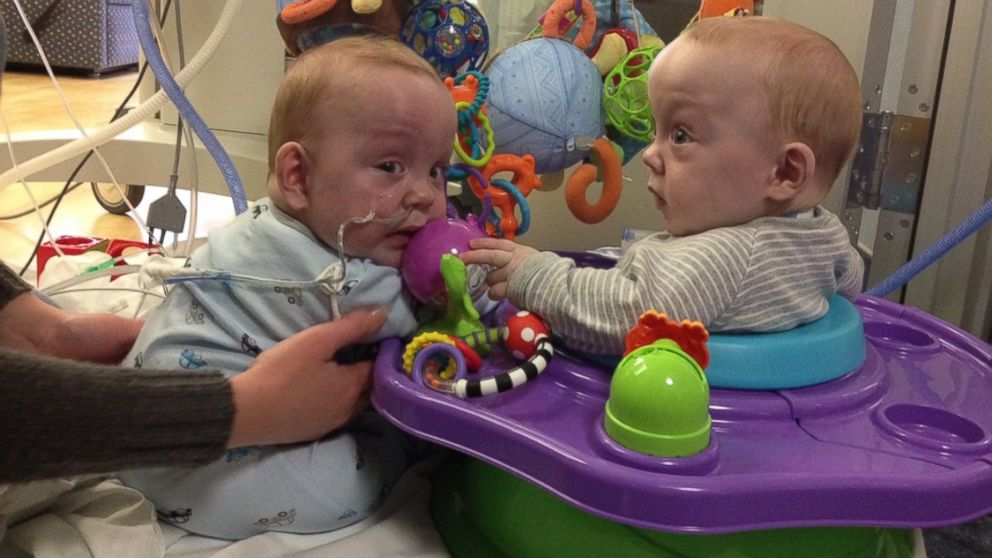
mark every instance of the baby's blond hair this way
{"type": "Point", "coordinates": [812, 91]}
{"type": "Point", "coordinates": [335, 72]}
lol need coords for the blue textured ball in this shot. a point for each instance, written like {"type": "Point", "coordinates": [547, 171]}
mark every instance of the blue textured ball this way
{"type": "Point", "coordinates": [543, 94]}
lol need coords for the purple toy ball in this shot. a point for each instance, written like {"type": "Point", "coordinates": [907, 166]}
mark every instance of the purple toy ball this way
{"type": "Point", "coordinates": [421, 264]}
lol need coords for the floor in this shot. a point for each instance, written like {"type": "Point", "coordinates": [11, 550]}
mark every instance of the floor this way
{"type": "Point", "coordinates": [30, 103]}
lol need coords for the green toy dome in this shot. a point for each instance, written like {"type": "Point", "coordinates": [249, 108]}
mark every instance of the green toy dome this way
{"type": "Point", "coordinates": [659, 402]}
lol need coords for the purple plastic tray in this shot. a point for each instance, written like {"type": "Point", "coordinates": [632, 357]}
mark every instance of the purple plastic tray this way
{"type": "Point", "coordinates": [903, 442]}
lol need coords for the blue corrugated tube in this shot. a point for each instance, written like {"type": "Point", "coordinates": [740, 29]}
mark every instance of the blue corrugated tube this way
{"type": "Point", "coordinates": [175, 93]}
{"type": "Point", "coordinates": [933, 252]}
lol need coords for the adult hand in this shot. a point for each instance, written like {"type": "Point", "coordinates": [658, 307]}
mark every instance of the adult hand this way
{"type": "Point", "coordinates": [295, 392]}
{"type": "Point", "coordinates": [504, 256]}
{"type": "Point", "coordinates": [30, 325]}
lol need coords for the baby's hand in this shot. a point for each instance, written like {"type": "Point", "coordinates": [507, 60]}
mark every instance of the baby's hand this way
{"type": "Point", "coordinates": [504, 256]}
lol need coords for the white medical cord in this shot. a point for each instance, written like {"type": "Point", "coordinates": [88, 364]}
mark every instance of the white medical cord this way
{"type": "Point", "coordinates": [72, 116]}
{"type": "Point", "coordinates": [111, 265]}
{"type": "Point", "coordinates": [27, 189]}
{"type": "Point", "coordinates": [330, 280]}
{"type": "Point", "coordinates": [187, 131]}
{"type": "Point", "coordinates": [637, 24]}
{"type": "Point", "coordinates": [144, 292]}
{"type": "Point", "coordinates": [90, 275]}
{"type": "Point", "coordinates": [135, 116]}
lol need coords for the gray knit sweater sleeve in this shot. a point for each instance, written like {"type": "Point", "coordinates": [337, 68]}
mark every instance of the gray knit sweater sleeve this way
{"type": "Point", "coordinates": [10, 285]}
{"type": "Point", "coordinates": [62, 418]}
{"type": "Point", "coordinates": [771, 274]}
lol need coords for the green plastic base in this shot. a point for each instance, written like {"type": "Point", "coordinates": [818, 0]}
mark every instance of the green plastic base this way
{"type": "Point", "coordinates": [483, 512]}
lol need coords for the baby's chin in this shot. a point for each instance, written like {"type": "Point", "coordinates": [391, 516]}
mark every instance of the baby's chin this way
{"type": "Point", "coordinates": [387, 258]}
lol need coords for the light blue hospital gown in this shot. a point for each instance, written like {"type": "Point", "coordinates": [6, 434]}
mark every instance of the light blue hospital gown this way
{"type": "Point", "coordinates": [223, 325]}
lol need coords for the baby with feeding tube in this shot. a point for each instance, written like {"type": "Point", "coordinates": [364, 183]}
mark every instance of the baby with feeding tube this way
{"type": "Point", "coordinates": [754, 119]}
{"type": "Point", "coordinates": [360, 136]}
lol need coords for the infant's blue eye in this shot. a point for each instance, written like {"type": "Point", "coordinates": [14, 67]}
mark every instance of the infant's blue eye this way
{"type": "Point", "coordinates": [680, 136]}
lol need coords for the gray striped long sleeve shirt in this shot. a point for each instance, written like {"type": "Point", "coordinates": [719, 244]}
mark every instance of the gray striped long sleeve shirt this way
{"type": "Point", "coordinates": [770, 274]}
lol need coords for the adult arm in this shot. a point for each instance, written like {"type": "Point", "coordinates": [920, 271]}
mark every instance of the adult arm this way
{"type": "Point", "coordinates": [62, 417]}
{"type": "Point", "coordinates": [30, 325]}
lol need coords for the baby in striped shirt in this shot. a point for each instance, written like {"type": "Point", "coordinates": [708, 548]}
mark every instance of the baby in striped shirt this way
{"type": "Point", "coordinates": [754, 117]}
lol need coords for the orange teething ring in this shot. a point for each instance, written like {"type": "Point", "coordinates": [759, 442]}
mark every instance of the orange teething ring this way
{"type": "Point", "coordinates": [552, 18]}
{"type": "Point", "coordinates": [305, 10]}
{"type": "Point", "coordinates": [578, 184]}
{"type": "Point", "coordinates": [524, 178]}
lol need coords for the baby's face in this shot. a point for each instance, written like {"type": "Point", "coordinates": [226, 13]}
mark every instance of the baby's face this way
{"type": "Point", "coordinates": [387, 152]}
{"type": "Point", "coordinates": [713, 154]}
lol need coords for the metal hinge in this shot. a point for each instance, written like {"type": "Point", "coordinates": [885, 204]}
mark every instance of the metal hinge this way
{"type": "Point", "coordinates": [884, 191]}
{"type": "Point", "coordinates": [887, 171]}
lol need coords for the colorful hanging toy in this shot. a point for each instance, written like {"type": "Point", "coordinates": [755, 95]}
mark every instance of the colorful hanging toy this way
{"type": "Point", "coordinates": [445, 348]}
{"type": "Point", "coordinates": [625, 95]}
{"type": "Point", "coordinates": [452, 36]}
{"type": "Point", "coordinates": [547, 100]}
{"type": "Point", "coordinates": [545, 97]}
{"type": "Point", "coordinates": [475, 143]}
{"type": "Point", "coordinates": [578, 184]}
{"type": "Point", "coordinates": [507, 195]}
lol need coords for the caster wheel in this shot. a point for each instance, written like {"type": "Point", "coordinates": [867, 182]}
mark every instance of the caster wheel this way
{"type": "Point", "coordinates": [111, 200]}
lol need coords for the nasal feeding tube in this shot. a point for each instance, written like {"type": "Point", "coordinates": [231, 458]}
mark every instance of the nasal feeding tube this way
{"type": "Point", "coordinates": [368, 218]}
{"type": "Point", "coordinates": [329, 280]}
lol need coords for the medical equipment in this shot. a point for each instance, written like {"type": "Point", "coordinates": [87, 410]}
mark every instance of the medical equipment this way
{"type": "Point", "coordinates": [135, 144]}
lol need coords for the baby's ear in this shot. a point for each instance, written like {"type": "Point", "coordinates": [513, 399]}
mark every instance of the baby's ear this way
{"type": "Point", "coordinates": [292, 168]}
{"type": "Point", "coordinates": [794, 171]}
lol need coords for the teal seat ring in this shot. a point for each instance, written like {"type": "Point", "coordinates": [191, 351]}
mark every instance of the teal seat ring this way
{"type": "Point", "coordinates": [823, 350]}
{"type": "Point", "coordinates": [813, 353]}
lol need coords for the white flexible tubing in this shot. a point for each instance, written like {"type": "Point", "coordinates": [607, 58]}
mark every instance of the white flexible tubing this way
{"type": "Point", "coordinates": [194, 194]}
{"type": "Point", "coordinates": [72, 116]}
{"type": "Point", "coordinates": [142, 292]}
{"type": "Point", "coordinates": [89, 276]}
{"type": "Point", "coordinates": [132, 118]}
{"type": "Point", "coordinates": [27, 190]}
